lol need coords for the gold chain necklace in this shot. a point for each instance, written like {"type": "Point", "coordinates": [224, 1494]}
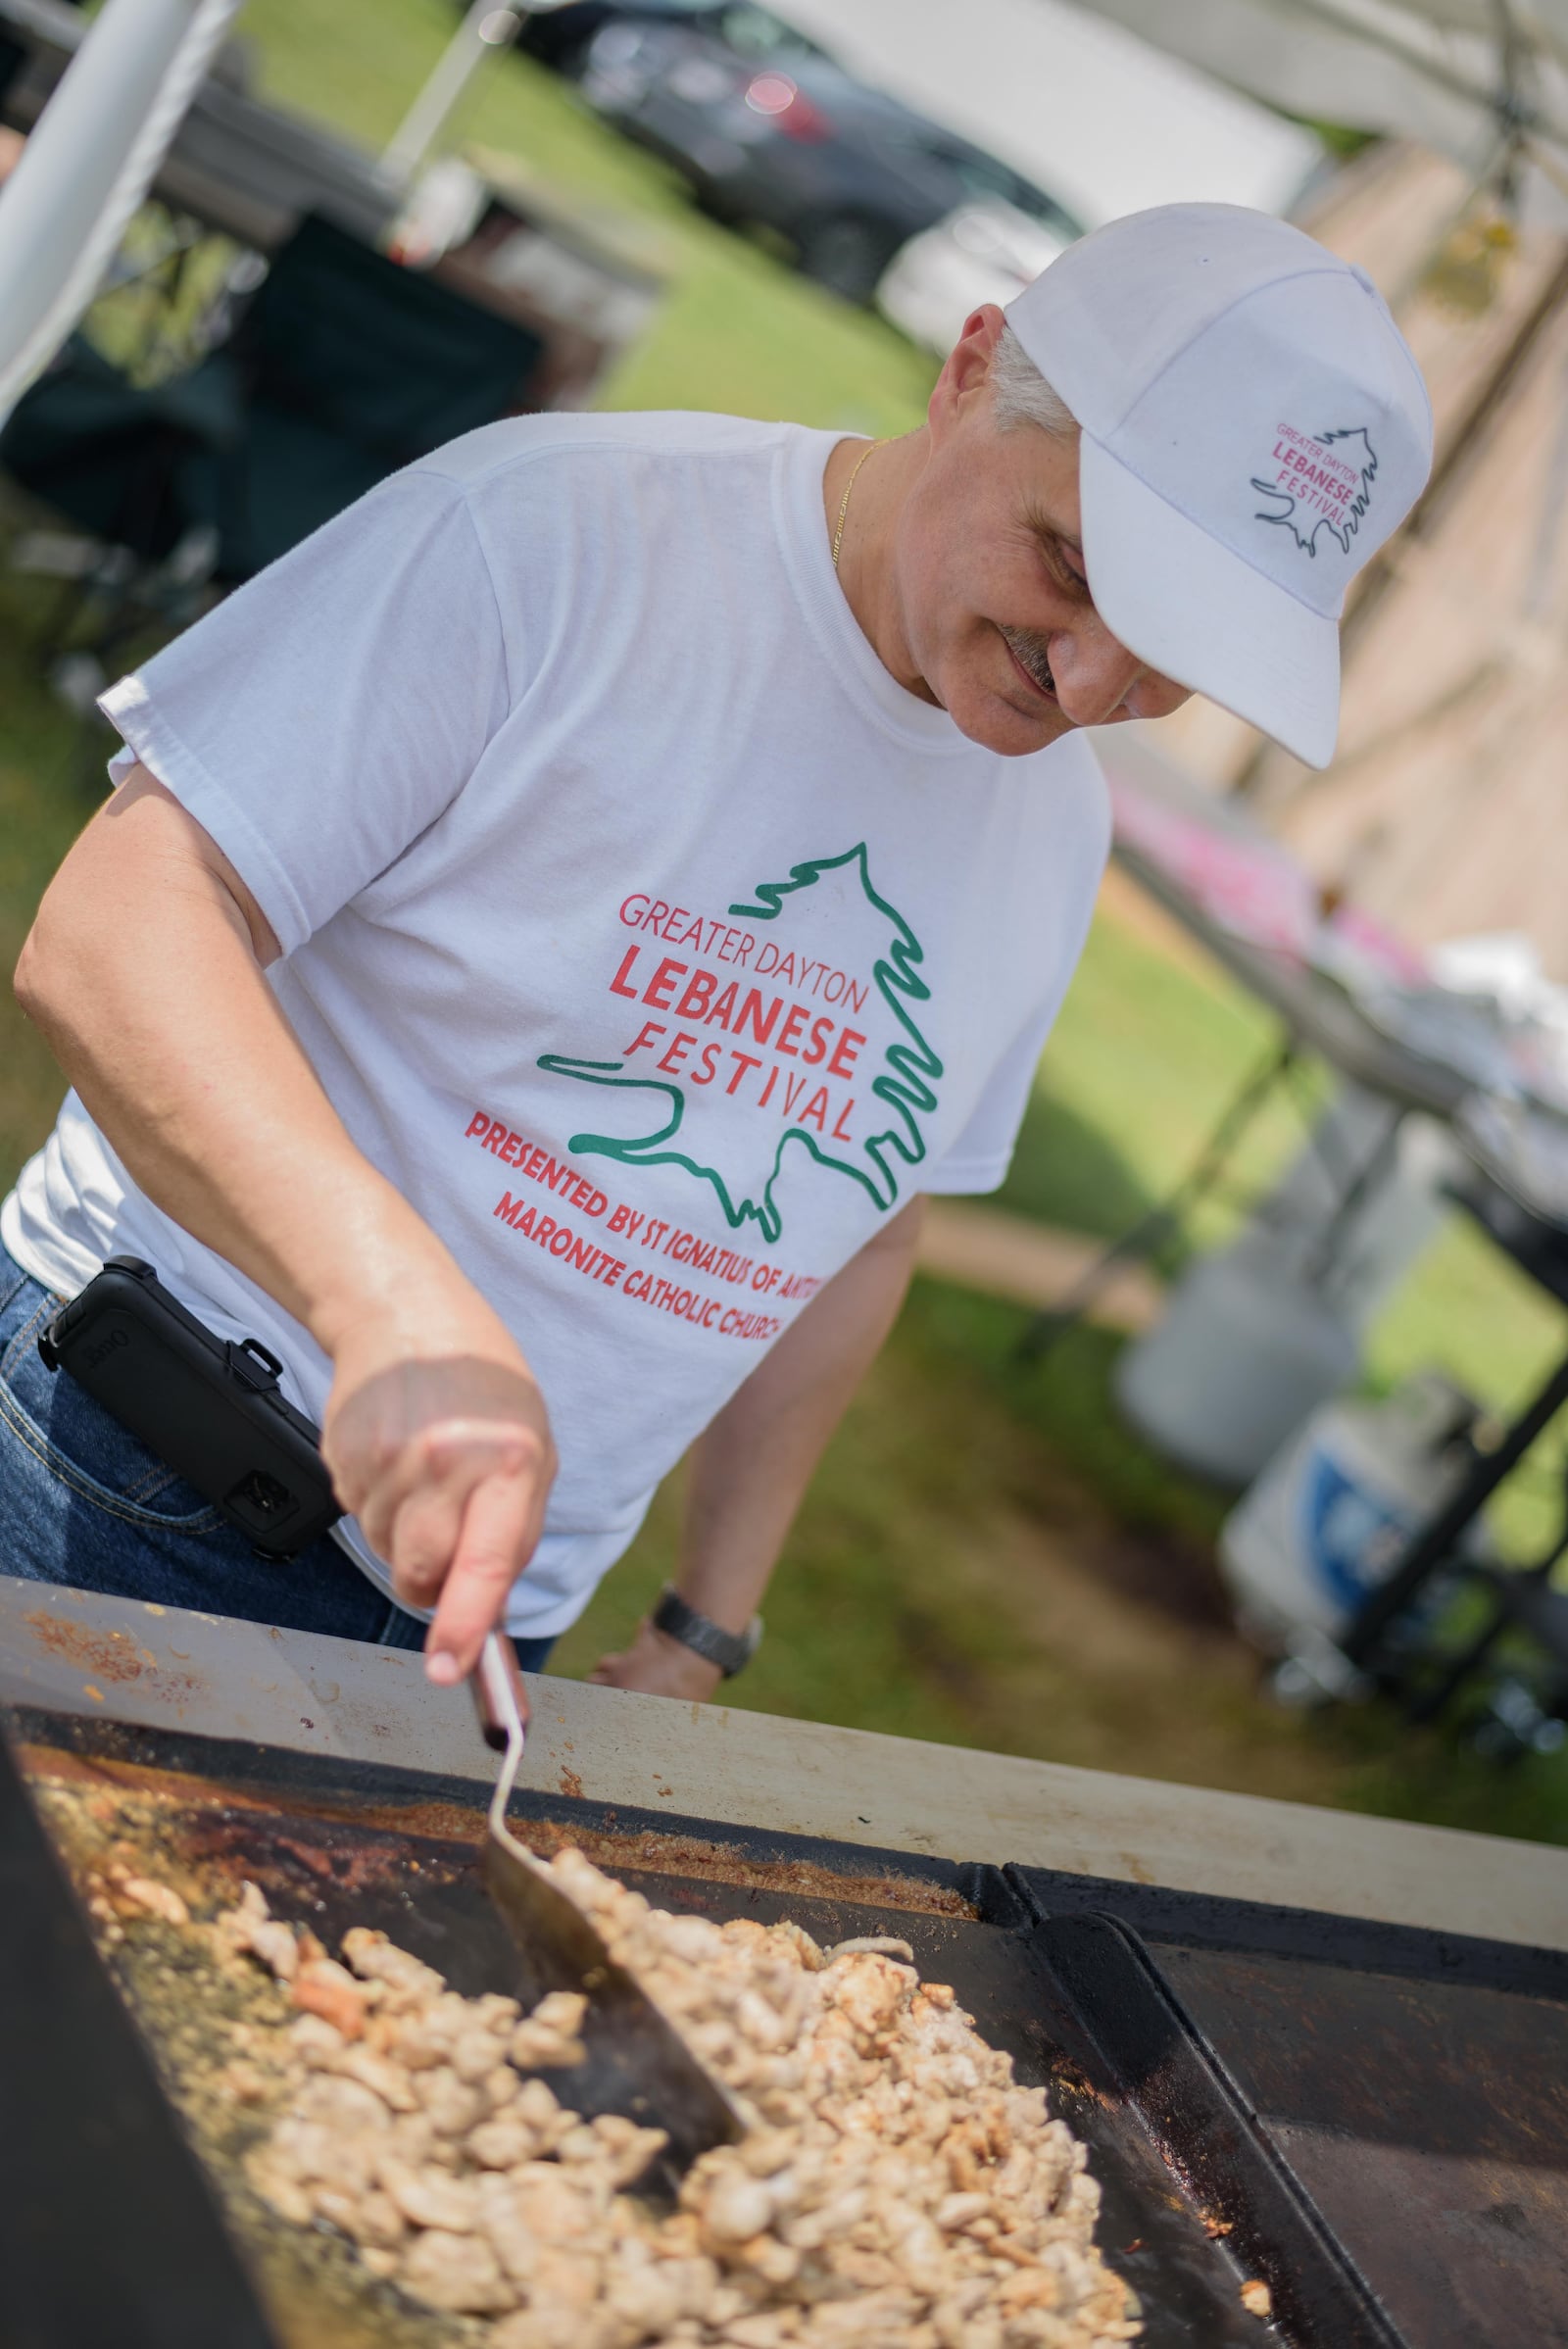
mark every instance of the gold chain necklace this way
{"type": "Point", "coordinates": [843, 501]}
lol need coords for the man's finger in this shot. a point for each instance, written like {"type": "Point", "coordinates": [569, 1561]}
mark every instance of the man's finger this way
{"type": "Point", "coordinates": [425, 1532]}
{"type": "Point", "coordinates": [500, 1527]}
{"type": "Point", "coordinates": [455, 1447]}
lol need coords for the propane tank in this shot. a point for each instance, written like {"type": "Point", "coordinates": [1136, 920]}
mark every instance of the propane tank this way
{"type": "Point", "coordinates": [1332, 1514]}
{"type": "Point", "coordinates": [1244, 1354]}
{"type": "Point", "coordinates": [1258, 1333]}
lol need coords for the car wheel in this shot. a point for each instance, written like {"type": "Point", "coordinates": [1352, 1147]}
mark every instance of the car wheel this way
{"type": "Point", "coordinates": [847, 253]}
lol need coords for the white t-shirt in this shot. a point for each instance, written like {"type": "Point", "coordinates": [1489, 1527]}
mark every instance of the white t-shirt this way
{"type": "Point", "coordinates": [642, 929]}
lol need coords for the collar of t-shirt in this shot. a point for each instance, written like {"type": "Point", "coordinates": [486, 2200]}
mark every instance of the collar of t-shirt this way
{"type": "Point", "coordinates": [801, 518]}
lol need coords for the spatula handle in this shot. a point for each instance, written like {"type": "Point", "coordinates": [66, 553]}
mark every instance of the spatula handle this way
{"type": "Point", "coordinates": [498, 1692]}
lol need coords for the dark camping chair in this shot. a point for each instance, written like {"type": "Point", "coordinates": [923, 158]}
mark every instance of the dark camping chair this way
{"type": "Point", "coordinates": [343, 368]}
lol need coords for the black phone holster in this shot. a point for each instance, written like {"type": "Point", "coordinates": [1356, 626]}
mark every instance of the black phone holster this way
{"type": "Point", "coordinates": [208, 1407]}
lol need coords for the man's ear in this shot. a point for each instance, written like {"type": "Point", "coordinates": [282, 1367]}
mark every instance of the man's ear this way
{"type": "Point", "coordinates": [967, 369]}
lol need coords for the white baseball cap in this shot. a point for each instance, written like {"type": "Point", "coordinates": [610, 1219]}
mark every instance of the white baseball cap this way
{"type": "Point", "coordinates": [1255, 427]}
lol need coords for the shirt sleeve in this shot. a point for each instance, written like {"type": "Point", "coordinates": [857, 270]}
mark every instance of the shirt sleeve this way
{"type": "Point", "coordinates": [324, 715]}
{"type": "Point", "coordinates": [979, 1159]}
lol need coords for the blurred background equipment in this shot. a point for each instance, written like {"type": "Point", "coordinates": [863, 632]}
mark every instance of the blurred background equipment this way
{"type": "Point", "coordinates": [1333, 1512]}
{"type": "Point", "coordinates": [1258, 1333]}
{"type": "Point", "coordinates": [1483, 81]}
{"type": "Point", "coordinates": [236, 164]}
{"type": "Point", "coordinates": [1362, 1519]}
{"type": "Point", "coordinates": [67, 200]}
{"type": "Point", "coordinates": [486, 27]}
{"type": "Point", "coordinates": [562, 36]}
{"type": "Point", "coordinates": [984, 251]}
{"type": "Point", "coordinates": [342, 367]}
{"type": "Point", "coordinates": [323, 321]}
{"type": "Point", "coordinates": [1107, 123]}
{"type": "Point", "coordinates": [788, 141]}
{"type": "Point", "coordinates": [1262, 1330]}
{"type": "Point", "coordinates": [1399, 1633]}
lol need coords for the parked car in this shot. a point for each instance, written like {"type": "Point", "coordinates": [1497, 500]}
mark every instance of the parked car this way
{"type": "Point", "coordinates": [791, 142]}
{"type": "Point", "coordinates": [562, 37]}
{"type": "Point", "coordinates": [980, 253]}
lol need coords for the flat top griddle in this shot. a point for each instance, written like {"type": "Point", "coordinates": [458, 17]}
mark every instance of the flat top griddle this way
{"type": "Point", "coordinates": [1378, 2129]}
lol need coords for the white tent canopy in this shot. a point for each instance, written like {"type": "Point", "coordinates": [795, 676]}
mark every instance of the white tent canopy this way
{"type": "Point", "coordinates": [1479, 80]}
{"type": "Point", "coordinates": [1104, 122]}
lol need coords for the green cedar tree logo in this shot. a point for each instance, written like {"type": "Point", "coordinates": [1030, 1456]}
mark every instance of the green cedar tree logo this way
{"type": "Point", "coordinates": [904, 1083]}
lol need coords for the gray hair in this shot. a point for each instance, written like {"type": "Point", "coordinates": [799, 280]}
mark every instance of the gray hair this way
{"type": "Point", "coordinates": [1022, 394]}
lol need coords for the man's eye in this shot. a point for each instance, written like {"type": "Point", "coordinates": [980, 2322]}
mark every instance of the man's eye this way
{"type": "Point", "coordinates": [1067, 568]}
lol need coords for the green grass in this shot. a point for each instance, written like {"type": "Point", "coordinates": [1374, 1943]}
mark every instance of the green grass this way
{"type": "Point", "coordinates": [988, 1556]}
{"type": "Point", "coordinates": [40, 812]}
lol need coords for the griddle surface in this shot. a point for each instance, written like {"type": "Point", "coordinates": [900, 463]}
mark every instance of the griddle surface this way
{"type": "Point", "coordinates": [1373, 2121]}
{"type": "Point", "coordinates": [1427, 2121]}
{"type": "Point", "coordinates": [388, 1849]}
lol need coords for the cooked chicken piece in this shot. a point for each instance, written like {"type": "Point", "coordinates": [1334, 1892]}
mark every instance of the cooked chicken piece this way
{"type": "Point", "coordinates": [555, 2327]}
{"type": "Point", "coordinates": [315, 2041]}
{"type": "Point", "coordinates": [375, 1958]}
{"type": "Point", "coordinates": [451, 2106]}
{"type": "Point", "coordinates": [503, 2143]}
{"type": "Point", "coordinates": [625, 2150]}
{"type": "Point", "coordinates": [250, 1926]}
{"type": "Point", "coordinates": [549, 2037]}
{"type": "Point", "coordinates": [431, 2196]}
{"type": "Point", "coordinates": [380, 2075]}
{"type": "Point", "coordinates": [456, 2272]}
{"type": "Point", "coordinates": [323, 1987]}
{"type": "Point", "coordinates": [345, 2107]}
{"type": "Point", "coordinates": [555, 2206]}
{"type": "Point", "coordinates": [159, 1901]}
{"type": "Point", "coordinates": [305, 2149]}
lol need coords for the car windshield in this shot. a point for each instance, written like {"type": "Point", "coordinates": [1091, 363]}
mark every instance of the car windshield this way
{"type": "Point", "coordinates": [754, 32]}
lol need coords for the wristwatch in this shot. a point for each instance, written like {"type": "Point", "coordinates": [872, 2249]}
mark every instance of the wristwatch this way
{"type": "Point", "coordinates": [732, 1651]}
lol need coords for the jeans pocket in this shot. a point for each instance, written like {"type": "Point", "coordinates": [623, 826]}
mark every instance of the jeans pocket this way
{"type": "Point", "coordinates": [85, 1446]}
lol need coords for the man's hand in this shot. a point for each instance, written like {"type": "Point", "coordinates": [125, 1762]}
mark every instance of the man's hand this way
{"type": "Point", "coordinates": [659, 1666]}
{"type": "Point", "coordinates": [436, 1434]}
{"type": "Point", "coordinates": [447, 1462]}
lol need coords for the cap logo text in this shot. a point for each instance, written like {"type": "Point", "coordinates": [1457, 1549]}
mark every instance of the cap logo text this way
{"type": "Point", "coordinates": [1318, 485]}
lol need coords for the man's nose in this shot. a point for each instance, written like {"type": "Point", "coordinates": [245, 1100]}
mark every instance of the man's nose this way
{"type": "Point", "coordinates": [1154, 695]}
{"type": "Point", "coordinates": [1097, 680]}
{"type": "Point", "coordinates": [1093, 673]}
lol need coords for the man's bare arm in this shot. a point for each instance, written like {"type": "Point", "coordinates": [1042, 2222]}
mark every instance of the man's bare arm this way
{"type": "Point", "coordinates": [750, 1468]}
{"type": "Point", "coordinates": [144, 972]}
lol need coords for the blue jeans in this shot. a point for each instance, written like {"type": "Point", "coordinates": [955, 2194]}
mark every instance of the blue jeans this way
{"type": "Point", "coordinates": [84, 1502]}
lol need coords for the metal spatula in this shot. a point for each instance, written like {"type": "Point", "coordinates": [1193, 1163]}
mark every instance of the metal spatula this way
{"type": "Point", "coordinates": [637, 2064]}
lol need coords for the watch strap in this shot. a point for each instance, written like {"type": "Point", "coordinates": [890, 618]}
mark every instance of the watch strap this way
{"type": "Point", "coordinates": [732, 1651]}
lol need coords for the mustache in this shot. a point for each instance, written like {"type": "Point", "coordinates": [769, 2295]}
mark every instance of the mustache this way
{"type": "Point", "coordinates": [1029, 650]}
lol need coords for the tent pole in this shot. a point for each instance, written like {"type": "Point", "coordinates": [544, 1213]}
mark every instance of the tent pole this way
{"type": "Point", "coordinates": [489, 25]}
{"type": "Point", "coordinates": [91, 157]}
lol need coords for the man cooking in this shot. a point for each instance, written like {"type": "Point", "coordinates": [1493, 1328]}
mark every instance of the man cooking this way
{"type": "Point", "coordinates": [555, 926]}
